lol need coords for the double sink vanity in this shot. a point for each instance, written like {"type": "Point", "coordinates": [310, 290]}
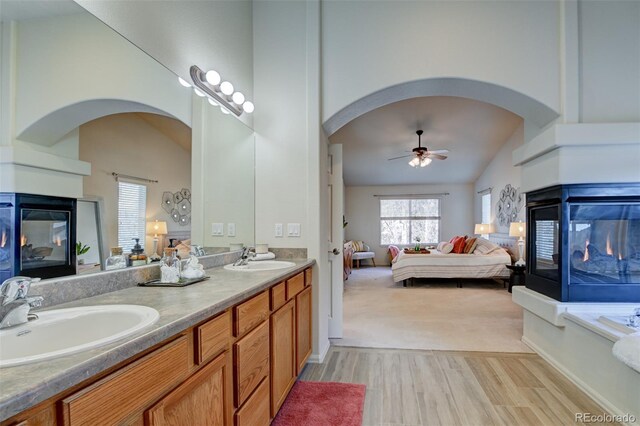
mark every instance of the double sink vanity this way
{"type": "Point", "coordinates": [224, 351]}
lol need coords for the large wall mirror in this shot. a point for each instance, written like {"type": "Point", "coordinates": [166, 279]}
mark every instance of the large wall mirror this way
{"type": "Point", "coordinates": [104, 124]}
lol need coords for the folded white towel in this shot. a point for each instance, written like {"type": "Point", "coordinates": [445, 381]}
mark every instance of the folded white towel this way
{"type": "Point", "coordinates": [627, 350]}
{"type": "Point", "coordinates": [265, 256]}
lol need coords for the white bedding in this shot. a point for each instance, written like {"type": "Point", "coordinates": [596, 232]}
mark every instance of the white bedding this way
{"type": "Point", "coordinates": [439, 265]}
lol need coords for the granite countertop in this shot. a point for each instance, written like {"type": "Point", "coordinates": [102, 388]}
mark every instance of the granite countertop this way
{"type": "Point", "coordinates": [24, 386]}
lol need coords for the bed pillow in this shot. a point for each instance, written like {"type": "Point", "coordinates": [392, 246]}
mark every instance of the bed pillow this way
{"type": "Point", "coordinates": [445, 247]}
{"type": "Point", "coordinates": [485, 246]}
{"type": "Point", "coordinates": [458, 245]}
{"type": "Point", "coordinates": [470, 245]}
{"type": "Point", "coordinates": [393, 252]}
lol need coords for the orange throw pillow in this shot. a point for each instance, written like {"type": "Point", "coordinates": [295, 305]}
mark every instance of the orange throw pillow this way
{"type": "Point", "coordinates": [458, 245]}
{"type": "Point", "coordinates": [470, 245]}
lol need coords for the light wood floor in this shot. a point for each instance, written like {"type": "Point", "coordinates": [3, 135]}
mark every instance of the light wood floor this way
{"type": "Point", "coordinates": [418, 387]}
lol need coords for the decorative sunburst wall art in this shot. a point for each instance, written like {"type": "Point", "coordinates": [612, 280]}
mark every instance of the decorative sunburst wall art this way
{"type": "Point", "coordinates": [178, 205]}
{"type": "Point", "coordinates": [509, 206]}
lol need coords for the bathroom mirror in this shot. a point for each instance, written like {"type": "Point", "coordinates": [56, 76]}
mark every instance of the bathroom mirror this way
{"type": "Point", "coordinates": [106, 121]}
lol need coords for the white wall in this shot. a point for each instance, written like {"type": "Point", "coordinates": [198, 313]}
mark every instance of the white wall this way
{"type": "Point", "coordinates": [280, 120]}
{"type": "Point", "coordinates": [127, 144]}
{"type": "Point", "coordinates": [498, 173]}
{"type": "Point", "coordinates": [610, 61]}
{"type": "Point", "coordinates": [368, 46]}
{"type": "Point", "coordinates": [362, 211]}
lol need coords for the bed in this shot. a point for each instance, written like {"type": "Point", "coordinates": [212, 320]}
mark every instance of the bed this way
{"type": "Point", "coordinates": [459, 266]}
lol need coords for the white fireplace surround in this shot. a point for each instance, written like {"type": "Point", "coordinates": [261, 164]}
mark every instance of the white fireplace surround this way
{"type": "Point", "coordinates": [580, 153]}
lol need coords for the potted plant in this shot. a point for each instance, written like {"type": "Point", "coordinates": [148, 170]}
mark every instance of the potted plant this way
{"type": "Point", "coordinates": [80, 250]}
{"type": "Point", "coordinates": [417, 246]}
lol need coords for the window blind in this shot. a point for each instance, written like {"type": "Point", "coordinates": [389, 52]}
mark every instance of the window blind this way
{"type": "Point", "coordinates": [545, 239]}
{"type": "Point", "coordinates": [486, 208]}
{"type": "Point", "coordinates": [132, 213]}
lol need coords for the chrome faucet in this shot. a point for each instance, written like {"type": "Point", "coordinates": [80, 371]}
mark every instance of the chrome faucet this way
{"type": "Point", "coordinates": [245, 257]}
{"type": "Point", "coordinates": [15, 302]}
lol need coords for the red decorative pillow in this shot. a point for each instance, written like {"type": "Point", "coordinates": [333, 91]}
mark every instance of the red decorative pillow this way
{"type": "Point", "coordinates": [458, 245]}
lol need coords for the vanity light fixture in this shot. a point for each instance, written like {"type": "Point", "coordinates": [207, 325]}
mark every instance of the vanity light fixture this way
{"type": "Point", "coordinates": [219, 92]}
{"type": "Point", "coordinates": [183, 82]}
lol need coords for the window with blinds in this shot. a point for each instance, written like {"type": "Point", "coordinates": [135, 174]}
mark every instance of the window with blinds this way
{"type": "Point", "coordinates": [407, 220]}
{"type": "Point", "coordinates": [132, 213]}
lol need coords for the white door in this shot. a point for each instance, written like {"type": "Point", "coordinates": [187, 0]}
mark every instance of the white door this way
{"type": "Point", "coordinates": [336, 239]}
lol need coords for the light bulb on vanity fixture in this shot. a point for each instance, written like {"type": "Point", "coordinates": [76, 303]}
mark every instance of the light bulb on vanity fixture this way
{"type": "Point", "coordinates": [183, 82]}
{"type": "Point", "coordinates": [219, 93]}
{"type": "Point", "coordinates": [199, 92]}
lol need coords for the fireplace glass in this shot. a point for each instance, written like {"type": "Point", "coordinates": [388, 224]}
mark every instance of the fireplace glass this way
{"type": "Point", "coordinates": [545, 239]}
{"type": "Point", "coordinates": [604, 243]}
{"type": "Point", "coordinates": [6, 235]}
{"type": "Point", "coordinates": [44, 239]}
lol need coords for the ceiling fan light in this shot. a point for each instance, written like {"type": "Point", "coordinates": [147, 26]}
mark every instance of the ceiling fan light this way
{"type": "Point", "coordinates": [415, 161]}
{"type": "Point", "coordinates": [425, 162]}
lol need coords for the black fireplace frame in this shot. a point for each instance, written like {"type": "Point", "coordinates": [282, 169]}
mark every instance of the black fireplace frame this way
{"type": "Point", "coordinates": [562, 196]}
{"type": "Point", "coordinates": [17, 202]}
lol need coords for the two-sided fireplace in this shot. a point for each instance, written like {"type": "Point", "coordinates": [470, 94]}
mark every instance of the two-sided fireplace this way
{"type": "Point", "coordinates": [37, 236]}
{"type": "Point", "coordinates": [584, 242]}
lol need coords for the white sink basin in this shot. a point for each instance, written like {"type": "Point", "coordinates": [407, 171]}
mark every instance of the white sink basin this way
{"type": "Point", "coordinates": [262, 265]}
{"type": "Point", "coordinates": [62, 332]}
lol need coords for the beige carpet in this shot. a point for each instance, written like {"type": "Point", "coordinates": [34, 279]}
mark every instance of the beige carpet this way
{"type": "Point", "coordinates": [381, 314]}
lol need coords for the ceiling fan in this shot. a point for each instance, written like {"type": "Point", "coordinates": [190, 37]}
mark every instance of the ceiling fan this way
{"type": "Point", "coordinates": [422, 156]}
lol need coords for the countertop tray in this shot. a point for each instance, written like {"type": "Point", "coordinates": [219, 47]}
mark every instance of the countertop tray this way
{"type": "Point", "coordinates": [182, 283]}
{"type": "Point", "coordinates": [422, 251]}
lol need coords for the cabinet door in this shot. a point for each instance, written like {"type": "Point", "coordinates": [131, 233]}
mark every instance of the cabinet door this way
{"type": "Point", "coordinates": [255, 412]}
{"type": "Point", "coordinates": [251, 362]}
{"type": "Point", "coordinates": [303, 328]}
{"type": "Point", "coordinates": [283, 354]}
{"type": "Point", "coordinates": [204, 399]}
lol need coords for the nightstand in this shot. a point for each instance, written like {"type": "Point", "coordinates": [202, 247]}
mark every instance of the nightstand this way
{"type": "Point", "coordinates": [517, 275]}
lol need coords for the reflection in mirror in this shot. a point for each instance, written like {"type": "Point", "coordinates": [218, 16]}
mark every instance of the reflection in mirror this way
{"type": "Point", "coordinates": [102, 107]}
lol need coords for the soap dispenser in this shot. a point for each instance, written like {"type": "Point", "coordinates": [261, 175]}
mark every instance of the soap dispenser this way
{"type": "Point", "coordinates": [137, 256]}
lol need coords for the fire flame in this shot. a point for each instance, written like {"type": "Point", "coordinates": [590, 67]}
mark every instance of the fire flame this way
{"type": "Point", "coordinates": [58, 241]}
{"type": "Point", "coordinates": [586, 251]}
{"type": "Point", "coordinates": [609, 247]}
{"type": "Point", "coordinates": [3, 241]}
{"type": "Point", "coordinates": [23, 240]}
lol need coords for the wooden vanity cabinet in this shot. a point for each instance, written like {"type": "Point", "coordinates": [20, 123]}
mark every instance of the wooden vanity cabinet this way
{"type": "Point", "coordinates": [283, 354]}
{"type": "Point", "coordinates": [235, 368]}
{"type": "Point", "coordinates": [204, 399]}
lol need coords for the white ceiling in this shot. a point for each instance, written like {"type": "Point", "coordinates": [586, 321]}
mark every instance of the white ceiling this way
{"type": "Point", "coordinates": [471, 130]}
{"type": "Point", "coordinates": [19, 10]}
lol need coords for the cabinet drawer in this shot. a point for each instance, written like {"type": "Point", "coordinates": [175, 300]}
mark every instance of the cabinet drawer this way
{"type": "Point", "coordinates": [251, 313]}
{"type": "Point", "coordinates": [255, 412]}
{"type": "Point", "coordinates": [308, 276]}
{"type": "Point", "coordinates": [212, 337]}
{"type": "Point", "coordinates": [129, 390]}
{"type": "Point", "coordinates": [295, 285]}
{"type": "Point", "coordinates": [250, 362]}
{"type": "Point", "coordinates": [278, 296]}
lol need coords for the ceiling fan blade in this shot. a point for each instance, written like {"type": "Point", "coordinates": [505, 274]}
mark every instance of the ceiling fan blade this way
{"type": "Point", "coordinates": [436, 156]}
{"type": "Point", "coordinates": [397, 158]}
{"type": "Point", "coordinates": [439, 151]}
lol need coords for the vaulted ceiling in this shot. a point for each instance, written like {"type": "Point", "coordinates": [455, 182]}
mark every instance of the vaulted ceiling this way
{"type": "Point", "coordinates": [471, 130]}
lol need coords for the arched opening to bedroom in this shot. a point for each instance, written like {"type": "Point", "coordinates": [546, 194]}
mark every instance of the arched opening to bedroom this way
{"type": "Point", "coordinates": [387, 202]}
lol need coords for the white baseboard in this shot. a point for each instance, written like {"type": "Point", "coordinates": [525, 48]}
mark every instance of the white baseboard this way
{"type": "Point", "coordinates": [596, 396]}
{"type": "Point", "coordinates": [319, 358]}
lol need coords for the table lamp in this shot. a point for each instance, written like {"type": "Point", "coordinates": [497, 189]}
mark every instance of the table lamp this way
{"type": "Point", "coordinates": [484, 229]}
{"type": "Point", "coordinates": [519, 229]}
{"type": "Point", "coordinates": [156, 228]}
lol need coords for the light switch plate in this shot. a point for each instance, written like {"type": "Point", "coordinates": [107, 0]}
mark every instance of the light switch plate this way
{"type": "Point", "coordinates": [293, 229]}
{"type": "Point", "coordinates": [217, 229]}
{"type": "Point", "coordinates": [231, 229]}
{"type": "Point", "coordinates": [278, 230]}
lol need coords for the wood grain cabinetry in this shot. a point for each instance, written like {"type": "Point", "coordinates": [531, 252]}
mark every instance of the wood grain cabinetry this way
{"type": "Point", "coordinates": [255, 412]}
{"type": "Point", "coordinates": [235, 368]}
{"type": "Point", "coordinates": [251, 362]}
{"type": "Point", "coordinates": [283, 354]}
{"type": "Point", "coordinates": [120, 395]}
{"type": "Point", "coordinates": [303, 328]}
{"type": "Point", "coordinates": [204, 399]}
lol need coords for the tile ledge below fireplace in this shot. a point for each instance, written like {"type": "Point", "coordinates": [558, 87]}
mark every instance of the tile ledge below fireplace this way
{"type": "Point", "coordinates": [553, 311]}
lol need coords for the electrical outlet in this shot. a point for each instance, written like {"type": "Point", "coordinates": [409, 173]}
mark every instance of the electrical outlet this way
{"type": "Point", "coordinates": [217, 229]}
{"type": "Point", "coordinates": [231, 229]}
{"type": "Point", "coordinates": [293, 229]}
{"type": "Point", "coordinates": [278, 230]}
